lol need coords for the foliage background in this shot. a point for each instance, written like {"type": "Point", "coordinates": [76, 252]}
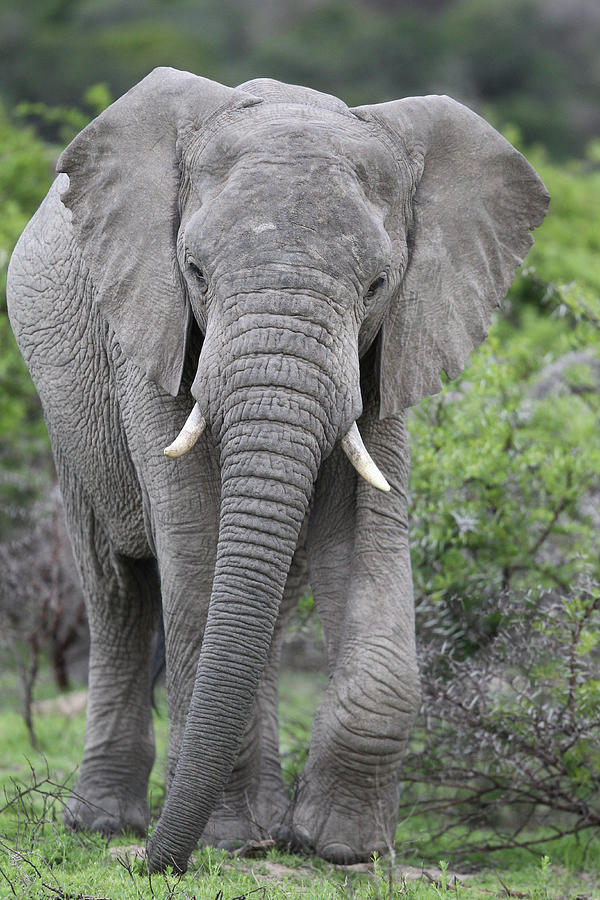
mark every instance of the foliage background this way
{"type": "Point", "coordinates": [534, 62]}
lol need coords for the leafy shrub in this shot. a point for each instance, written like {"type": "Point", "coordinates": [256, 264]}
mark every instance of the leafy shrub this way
{"type": "Point", "coordinates": [511, 736]}
{"type": "Point", "coordinates": [507, 459]}
{"type": "Point", "coordinates": [504, 523]}
{"type": "Point", "coordinates": [567, 244]}
{"type": "Point", "coordinates": [25, 175]}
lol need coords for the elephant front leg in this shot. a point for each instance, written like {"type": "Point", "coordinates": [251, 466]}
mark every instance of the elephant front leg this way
{"type": "Point", "coordinates": [255, 799]}
{"type": "Point", "coordinates": [346, 802]}
{"type": "Point", "coordinates": [347, 797]}
{"type": "Point", "coordinates": [122, 599]}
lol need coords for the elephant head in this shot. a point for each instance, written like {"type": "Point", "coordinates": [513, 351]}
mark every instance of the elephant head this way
{"type": "Point", "coordinates": [299, 234]}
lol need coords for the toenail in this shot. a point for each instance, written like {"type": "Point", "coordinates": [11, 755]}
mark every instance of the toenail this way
{"type": "Point", "coordinates": [340, 854]}
{"type": "Point", "coordinates": [105, 825]}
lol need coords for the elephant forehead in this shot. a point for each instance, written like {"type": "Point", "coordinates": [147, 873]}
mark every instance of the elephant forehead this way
{"type": "Point", "coordinates": [321, 218]}
{"type": "Point", "coordinates": [275, 139]}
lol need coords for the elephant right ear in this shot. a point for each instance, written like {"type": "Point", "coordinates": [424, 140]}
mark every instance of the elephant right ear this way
{"type": "Point", "coordinates": [475, 202]}
{"type": "Point", "coordinates": [124, 177]}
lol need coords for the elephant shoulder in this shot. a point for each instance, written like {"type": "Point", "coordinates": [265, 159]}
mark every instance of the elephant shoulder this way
{"type": "Point", "coordinates": [46, 271]}
{"type": "Point", "coordinates": [46, 243]}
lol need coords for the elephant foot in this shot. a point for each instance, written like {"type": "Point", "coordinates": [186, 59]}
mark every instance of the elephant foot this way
{"type": "Point", "coordinates": [241, 819]}
{"type": "Point", "coordinates": [298, 839]}
{"type": "Point", "coordinates": [106, 814]}
{"type": "Point", "coordinates": [341, 825]}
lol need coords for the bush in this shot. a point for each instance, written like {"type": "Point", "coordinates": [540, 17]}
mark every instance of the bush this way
{"type": "Point", "coordinates": [504, 523]}
{"type": "Point", "coordinates": [25, 175]}
{"type": "Point", "coordinates": [510, 737]}
{"type": "Point", "coordinates": [503, 483]}
{"type": "Point", "coordinates": [41, 603]}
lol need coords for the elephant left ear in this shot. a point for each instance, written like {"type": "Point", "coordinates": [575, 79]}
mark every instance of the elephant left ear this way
{"type": "Point", "coordinates": [125, 175]}
{"type": "Point", "coordinates": [475, 203]}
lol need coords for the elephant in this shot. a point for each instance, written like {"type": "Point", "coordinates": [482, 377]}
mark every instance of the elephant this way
{"type": "Point", "coordinates": [261, 280]}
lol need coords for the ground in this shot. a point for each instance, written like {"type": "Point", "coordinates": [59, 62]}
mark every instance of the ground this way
{"type": "Point", "coordinates": [39, 858]}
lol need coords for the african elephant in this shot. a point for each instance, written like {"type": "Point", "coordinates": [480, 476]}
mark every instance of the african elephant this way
{"type": "Point", "coordinates": [275, 267]}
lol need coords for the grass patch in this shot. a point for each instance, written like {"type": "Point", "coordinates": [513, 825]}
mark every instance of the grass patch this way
{"type": "Point", "coordinates": [39, 858]}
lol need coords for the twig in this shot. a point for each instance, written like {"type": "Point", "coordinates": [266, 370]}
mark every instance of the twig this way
{"type": "Point", "coordinates": [7, 879]}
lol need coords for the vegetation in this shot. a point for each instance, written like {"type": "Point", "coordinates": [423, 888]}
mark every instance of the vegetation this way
{"type": "Point", "coordinates": [41, 859]}
{"type": "Point", "coordinates": [529, 62]}
{"type": "Point", "coordinates": [25, 174]}
{"type": "Point", "coordinates": [504, 530]}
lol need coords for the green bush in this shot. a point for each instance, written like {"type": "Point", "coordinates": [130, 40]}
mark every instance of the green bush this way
{"type": "Point", "coordinates": [508, 753]}
{"type": "Point", "coordinates": [499, 479]}
{"type": "Point", "coordinates": [26, 165]}
{"type": "Point", "coordinates": [567, 245]}
{"type": "Point", "coordinates": [502, 481]}
{"type": "Point", "coordinates": [504, 532]}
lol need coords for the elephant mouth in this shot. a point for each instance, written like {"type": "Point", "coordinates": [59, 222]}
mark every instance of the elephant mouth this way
{"type": "Point", "coordinates": [351, 443]}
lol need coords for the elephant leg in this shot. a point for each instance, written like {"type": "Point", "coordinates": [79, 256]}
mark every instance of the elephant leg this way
{"type": "Point", "coordinates": [186, 562]}
{"type": "Point", "coordinates": [255, 798]}
{"type": "Point", "coordinates": [122, 598]}
{"type": "Point", "coordinates": [347, 797]}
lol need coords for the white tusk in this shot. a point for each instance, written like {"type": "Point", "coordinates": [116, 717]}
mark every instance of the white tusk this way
{"type": "Point", "coordinates": [355, 450]}
{"type": "Point", "coordinates": [189, 434]}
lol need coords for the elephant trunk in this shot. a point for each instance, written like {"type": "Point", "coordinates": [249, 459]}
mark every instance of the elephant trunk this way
{"type": "Point", "coordinates": [272, 434]}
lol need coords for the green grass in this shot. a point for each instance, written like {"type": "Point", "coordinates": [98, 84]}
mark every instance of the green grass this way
{"type": "Point", "coordinates": [39, 858]}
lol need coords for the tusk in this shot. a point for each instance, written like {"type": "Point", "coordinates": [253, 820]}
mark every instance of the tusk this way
{"type": "Point", "coordinates": [189, 434]}
{"type": "Point", "coordinates": [355, 450]}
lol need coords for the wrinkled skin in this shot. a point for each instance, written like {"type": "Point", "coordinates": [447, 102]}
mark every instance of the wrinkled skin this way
{"type": "Point", "coordinates": [293, 266]}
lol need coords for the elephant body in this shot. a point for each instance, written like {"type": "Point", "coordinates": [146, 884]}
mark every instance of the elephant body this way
{"type": "Point", "coordinates": [287, 267]}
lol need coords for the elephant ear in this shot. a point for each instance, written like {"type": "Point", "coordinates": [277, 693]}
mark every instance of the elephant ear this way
{"type": "Point", "coordinates": [475, 203]}
{"type": "Point", "coordinates": [124, 176]}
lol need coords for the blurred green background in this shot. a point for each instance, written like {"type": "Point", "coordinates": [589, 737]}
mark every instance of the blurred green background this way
{"type": "Point", "coordinates": [531, 63]}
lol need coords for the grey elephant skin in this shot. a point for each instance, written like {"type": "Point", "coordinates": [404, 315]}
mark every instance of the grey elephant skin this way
{"type": "Point", "coordinates": [281, 267]}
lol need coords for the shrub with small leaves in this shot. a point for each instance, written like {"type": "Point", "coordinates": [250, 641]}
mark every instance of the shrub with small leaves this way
{"type": "Point", "coordinates": [506, 465]}
{"type": "Point", "coordinates": [510, 737]}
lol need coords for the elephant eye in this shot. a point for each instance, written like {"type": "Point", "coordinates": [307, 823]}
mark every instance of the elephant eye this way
{"type": "Point", "coordinates": [376, 285]}
{"type": "Point", "coordinates": [198, 274]}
